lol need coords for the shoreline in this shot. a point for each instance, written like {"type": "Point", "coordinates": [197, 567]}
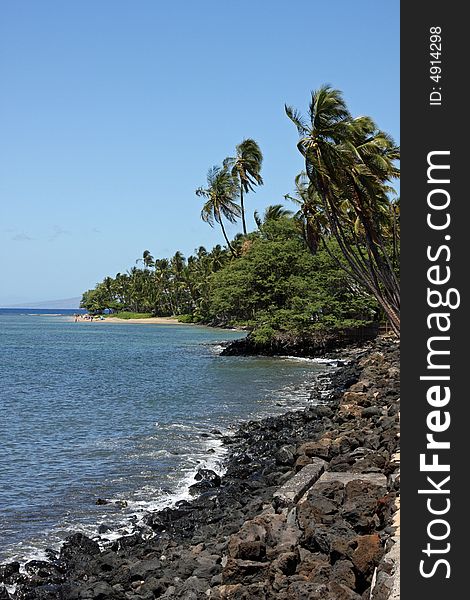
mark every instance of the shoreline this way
{"type": "Point", "coordinates": [214, 459]}
{"type": "Point", "coordinates": [146, 321]}
{"type": "Point", "coordinates": [208, 543]}
{"type": "Point", "coordinates": [150, 321]}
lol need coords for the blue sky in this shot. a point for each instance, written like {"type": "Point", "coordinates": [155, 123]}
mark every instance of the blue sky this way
{"type": "Point", "coordinates": [111, 113]}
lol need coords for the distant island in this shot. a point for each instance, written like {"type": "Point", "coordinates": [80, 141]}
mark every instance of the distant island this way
{"type": "Point", "coordinates": [68, 303]}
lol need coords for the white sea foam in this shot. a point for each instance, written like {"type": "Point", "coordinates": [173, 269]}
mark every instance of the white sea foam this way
{"type": "Point", "coordinates": [176, 426]}
{"type": "Point", "coordinates": [148, 498]}
{"type": "Point", "coordinates": [217, 348]}
{"type": "Point", "coordinates": [155, 499]}
{"type": "Point", "coordinates": [319, 361]}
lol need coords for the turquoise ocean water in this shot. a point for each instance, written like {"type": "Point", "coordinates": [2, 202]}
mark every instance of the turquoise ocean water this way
{"type": "Point", "coordinates": [119, 412]}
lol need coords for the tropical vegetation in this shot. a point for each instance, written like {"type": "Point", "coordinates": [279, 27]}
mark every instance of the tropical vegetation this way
{"type": "Point", "coordinates": [324, 258]}
{"type": "Point", "coordinates": [350, 164]}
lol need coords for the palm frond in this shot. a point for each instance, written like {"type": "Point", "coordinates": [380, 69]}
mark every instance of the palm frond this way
{"type": "Point", "coordinates": [296, 117]}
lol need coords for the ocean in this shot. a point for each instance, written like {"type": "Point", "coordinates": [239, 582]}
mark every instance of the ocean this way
{"type": "Point", "coordinates": [121, 412]}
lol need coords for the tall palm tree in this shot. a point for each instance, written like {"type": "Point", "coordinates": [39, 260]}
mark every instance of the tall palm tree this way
{"type": "Point", "coordinates": [178, 266]}
{"type": "Point", "coordinates": [350, 163]}
{"type": "Point", "coordinates": [246, 167]}
{"type": "Point", "coordinates": [163, 282]}
{"type": "Point", "coordinates": [178, 262]}
{"type": "Point", "coordinates": [220, 194]}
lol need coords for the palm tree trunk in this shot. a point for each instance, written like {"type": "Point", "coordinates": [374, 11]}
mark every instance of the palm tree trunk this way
{"type": "Point", "coordinates": [225, 236]}
{"type": "Point", "coordinates": [242, 206]}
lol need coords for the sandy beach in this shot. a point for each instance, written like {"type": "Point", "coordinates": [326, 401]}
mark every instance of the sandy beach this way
{"type": "Point", "coordinates": [148, 321]}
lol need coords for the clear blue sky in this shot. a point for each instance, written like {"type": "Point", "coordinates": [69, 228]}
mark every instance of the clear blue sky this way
{"type": "Point", "coordinates": [111, 113]}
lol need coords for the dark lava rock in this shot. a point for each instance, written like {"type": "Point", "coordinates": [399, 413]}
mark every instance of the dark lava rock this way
{"type": "Point", "coordinates": [367, 554]}
{"type": "Point", "coordinates": [43, 570]}
{"type": "Point", "coordinates": [78, 546]}
{"type": "Point", "coordinates": [288, 344]}
{"type": "Point", "coordinates": [4, 595]}
{"type": "Point", "coordinates": [209, 476]}
{"type": "Point", "coordinates": [103, 528]}
{"type": "Point", "coordinates": [102, 502]}
{"type": "Point", "coordinates": [371, 411]}
{"type": "Point", "coordinates": [285, 455]}
{"type": "Point", "coordinates": [7, 570]}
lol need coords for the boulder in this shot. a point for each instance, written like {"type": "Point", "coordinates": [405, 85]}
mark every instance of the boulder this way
{"type": "Point", "coordinates": [306, 590]}
{"type": "Point", "coordinates": [343, 572]}
{"type": "Point", "coordinates": [367, 554]}
{"type": "Point", "coordinates": [4, 595]}
{"type": "Point", "coordinates": [40, 569]}
{"type": "Point", "coordinates": [7, 570]}
{"type": "Point", "coordinates": [357, 398]}
{"type": "Point", "coordinates": [320, 449]}
{"type": "Point", "coordinates": [285, 455]}
{"type": "Point", "coordinates": [340, 591]}
{"type": "Point", "coordinates": [295, 488]}
{"type": "Point", "coordinates": [208, 475]}
{"type": "Point", "coordinates": [78, 544]}
{"type": "Point", "coordinates": [244, 571]}
{"type": "Point", "coordinates": [286, 563]}
{"type": "Point", "coordinates": [301, 462]}
{"type": "Point", "coordinates": [247, 550]}
{"type": "Point", "coordinates": [316, 508]}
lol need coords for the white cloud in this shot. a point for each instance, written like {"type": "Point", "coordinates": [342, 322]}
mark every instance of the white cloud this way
{"type": "Point", "coordinates": [21, 237]}
{"type": "Point", "coordinates": [57, 232]}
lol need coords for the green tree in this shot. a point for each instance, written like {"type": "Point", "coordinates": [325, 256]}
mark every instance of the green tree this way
{"type": "Point", "coordinates": [278, 285]}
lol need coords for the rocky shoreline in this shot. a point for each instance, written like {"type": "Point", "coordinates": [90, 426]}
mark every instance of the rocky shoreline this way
{"type": "Point", "coordinates": [285, 343]}
{"type": "Point", "coordinates": [304, 510]}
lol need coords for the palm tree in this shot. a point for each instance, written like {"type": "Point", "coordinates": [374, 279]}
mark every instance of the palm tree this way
{"type": "Point", "coordinates": [218, 258]}
{"type": "Point", "coordinates": [246, 167]}
{"type": "Point", "coordinates": [178, 268]}
{"type": "Point", "coordinates": [178, 262]}
{"type": "Point", "coordinates": [163, 282]}
{"type": "Point", "coordinates": [311, 217]}
{"type": "Point", "coordinates": [148, 259]}
{"type": "Point", "coordinates": [273, 212]}
{"type": "Point", "coordinates": [349, 163]}
{"type": "Point", "coordinates": [220, 194]}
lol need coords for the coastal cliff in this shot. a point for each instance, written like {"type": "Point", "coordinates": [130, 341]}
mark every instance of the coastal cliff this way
{"type": "Point", "coordinates": [304, 510]}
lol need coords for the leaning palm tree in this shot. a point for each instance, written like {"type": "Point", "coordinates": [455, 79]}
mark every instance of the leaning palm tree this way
{"type": "Point", "coordinates": [246, 167]}
{"type": "Point", "coordinates": [220, 194]}
{"type": "Point", "coordinates": [350, 163]}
